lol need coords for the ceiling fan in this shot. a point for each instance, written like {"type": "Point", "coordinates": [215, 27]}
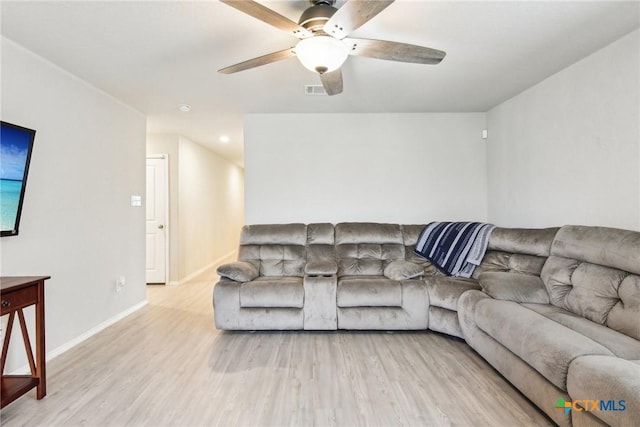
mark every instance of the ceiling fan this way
{"type": "Point", "coordinates": [324, 45]}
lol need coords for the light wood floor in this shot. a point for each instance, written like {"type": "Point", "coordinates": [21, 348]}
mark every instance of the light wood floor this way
{"type": "Point", "coordinates": [167, 365]}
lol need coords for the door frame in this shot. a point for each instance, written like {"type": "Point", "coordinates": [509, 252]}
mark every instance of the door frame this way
{"type": "Point", "coordinates": [167, 221]}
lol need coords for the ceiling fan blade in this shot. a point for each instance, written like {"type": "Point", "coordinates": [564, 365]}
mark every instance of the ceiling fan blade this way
{"type": "Point", "coordinates": [332, 82]}
{"type": "Point", "coordinates": [394, 51]}
{"type": "Point", "coordinates": [261, 60]}
{"type": "Point", "coordinates": [352, 15]}
{"type": "Point", "coordinates": [269, 16]}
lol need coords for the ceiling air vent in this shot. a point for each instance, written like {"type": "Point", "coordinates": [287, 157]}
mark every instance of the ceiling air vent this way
{"type": "Point", "coordinates": [314, 90]}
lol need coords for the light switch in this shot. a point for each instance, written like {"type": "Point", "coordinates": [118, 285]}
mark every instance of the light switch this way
{"type": "Point", "coordinates": [136, 201]}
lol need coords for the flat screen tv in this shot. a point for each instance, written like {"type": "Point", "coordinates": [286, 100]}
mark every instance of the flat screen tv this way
{"type": "Point", "coordinates": [16, 143]}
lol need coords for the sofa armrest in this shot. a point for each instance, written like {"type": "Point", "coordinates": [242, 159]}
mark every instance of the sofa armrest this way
{"type": "Point", "coordinates": [319, 309]}
{"type": "Point", "coordinates": [239, 271]}
{"type": "Point", "coordinates": [403, 270]}
{"type": "Point", "coordinates": [514, 287]}
{"type": "Point", "coordinates": [610, 381]}
{"type": "Point", "coordinates": [321, 268]}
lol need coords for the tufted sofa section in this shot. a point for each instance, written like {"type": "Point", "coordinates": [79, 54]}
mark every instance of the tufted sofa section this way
{"type": "Point", "coordinates": [565, 334]}
{"type": "Point", "coordinates": [325, 277]}
{"type": "Point", "coordinates": [510, 250]}
{"type": "Point", "coordinates": [268, 292]}
{"type": "Point", "coordinates": [368, 295]}
{"type": "Point", "coordinates": [321, 277]}
{"type": "Point", "coordinates": [594, 273]}
{"type": "Point", "coordinates": [353, 276]}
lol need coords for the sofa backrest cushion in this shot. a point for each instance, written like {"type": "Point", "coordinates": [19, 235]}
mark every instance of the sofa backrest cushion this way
{"type": "Point", "coordinates": [321, 242]}
{"type": "Point", "coordinates": [411, 233]}
{"type": "Point", "coordinates": [594, 272]}
{"type": "Point", "coordinates": [510, 250]}
{"type": "Point", "coordinates": [507, 262]}
{"type": "Point", "coordinates": [517, 250]}
{"type": "Point", "coordinates": [524, 241]}
{"type": "Point", "coordinates": [611, 247]}
{"type": "Point", "coordinates": [365, 249]}
{"type": "Point", "coordinates": [410, 236]}
{"type": "Point", "coordinates": [275, 249]}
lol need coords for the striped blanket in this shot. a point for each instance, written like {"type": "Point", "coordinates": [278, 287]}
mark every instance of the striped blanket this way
{"type": "Point", "coordinates": [456, 248]}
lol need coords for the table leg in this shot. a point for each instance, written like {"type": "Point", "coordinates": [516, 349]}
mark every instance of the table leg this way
{"type": "Point", "coordinates": [5, 343]}
{"type": "Point", "coordinates": [41, 353]}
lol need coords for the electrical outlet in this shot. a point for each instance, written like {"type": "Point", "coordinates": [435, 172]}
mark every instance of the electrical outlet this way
{"type": "Point", "coordinates": [120, 281]}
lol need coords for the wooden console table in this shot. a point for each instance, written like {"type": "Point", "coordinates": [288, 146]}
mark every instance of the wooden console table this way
{"type": "Point", "coordinates": [17, 293]}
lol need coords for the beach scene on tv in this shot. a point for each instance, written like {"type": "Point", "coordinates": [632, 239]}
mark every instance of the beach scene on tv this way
{"type": "Point", "coordinates": [14, 151]}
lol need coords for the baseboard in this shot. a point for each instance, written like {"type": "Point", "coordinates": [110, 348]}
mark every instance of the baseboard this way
{"type": "Point", "coordinates": [228, 257]}
{"type": "Point", "coordinates": [84, 336]}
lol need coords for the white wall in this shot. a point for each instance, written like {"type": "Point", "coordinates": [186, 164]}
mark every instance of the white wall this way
{"type": "Point", "coordinates": [398, 168]}
{"type": "Point", "coordinates": [210, 207]}
{"type": "Point", "coordinates": [77, 225]}
{"type": "Point", "coordinates": [206, 205]}
{"type": "Point", "coordinates": [567, 151]}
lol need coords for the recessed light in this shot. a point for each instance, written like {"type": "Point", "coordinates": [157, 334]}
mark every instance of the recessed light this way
{"type": "Point", "coordinates": [185, 108]}
{"type": "Point", "coordinates": [224, 139]}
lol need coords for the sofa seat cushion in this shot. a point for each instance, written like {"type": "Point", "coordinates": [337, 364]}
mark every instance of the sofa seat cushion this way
{"type": "Point", "coordinates": [445, 291]}
{"type": "Point", "coordinates": [545, 345]}
{"type": "Point", "coordinates": [369, 291]}
{"type": "Point", "coordinates": [620, 344]}
{"type": "Point", "coordinates": [281, 292]}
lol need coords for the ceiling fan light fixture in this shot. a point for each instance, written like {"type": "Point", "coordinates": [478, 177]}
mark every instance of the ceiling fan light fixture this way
{"type": "Point", "coordinates": [321, 54]}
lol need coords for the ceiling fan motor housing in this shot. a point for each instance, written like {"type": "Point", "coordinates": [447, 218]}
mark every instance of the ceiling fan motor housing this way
{"type": "Point", "coordinates": [314, 18]}
{"type": "Point", "coordinates": [327, 2]}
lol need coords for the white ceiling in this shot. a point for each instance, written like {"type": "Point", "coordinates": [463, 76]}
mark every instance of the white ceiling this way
{"type": "Point", "coordinates": [155, 55]}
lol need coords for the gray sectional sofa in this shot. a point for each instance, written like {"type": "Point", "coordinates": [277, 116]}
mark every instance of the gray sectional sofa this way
{"type": "Point", "coordinates": [572, 333]}
{"type": "Point", "coordinates": [556, 311]}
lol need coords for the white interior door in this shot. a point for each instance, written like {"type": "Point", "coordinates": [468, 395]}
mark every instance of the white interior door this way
{"type": "Point", "coordinates": [157, 208]}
